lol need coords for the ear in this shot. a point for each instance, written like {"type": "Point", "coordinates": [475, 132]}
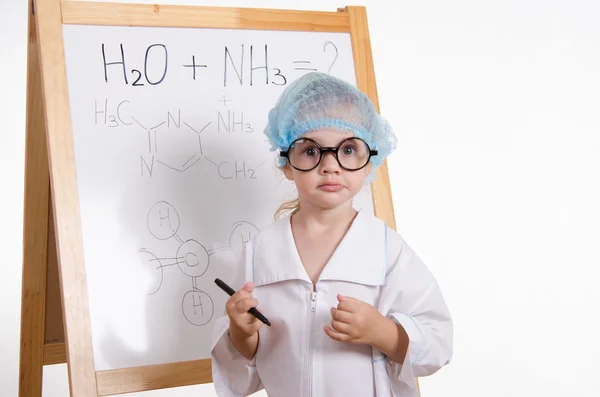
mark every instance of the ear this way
{"type": "Point", "coordinates": [368, 169]}
{"type": "Point", "coordinates": [287, 171]}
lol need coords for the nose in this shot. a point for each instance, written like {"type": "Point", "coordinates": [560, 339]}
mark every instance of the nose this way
{"type": "Point", "coordinates": [329, 164]}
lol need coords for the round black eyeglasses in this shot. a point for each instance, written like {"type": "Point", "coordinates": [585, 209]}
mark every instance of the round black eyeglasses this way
{"type": "Point", "coordinates": [305, 154]}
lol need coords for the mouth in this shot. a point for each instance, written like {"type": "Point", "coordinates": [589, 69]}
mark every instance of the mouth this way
{"type": "Point", "coordinates": [331, 187]}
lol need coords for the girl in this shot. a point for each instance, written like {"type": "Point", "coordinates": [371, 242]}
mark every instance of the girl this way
{"type": "Point", "coordinates": [353, 310]}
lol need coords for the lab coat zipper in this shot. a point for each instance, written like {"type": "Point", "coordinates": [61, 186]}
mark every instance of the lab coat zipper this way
{"type": "Point", "coordinates": [313, 309]}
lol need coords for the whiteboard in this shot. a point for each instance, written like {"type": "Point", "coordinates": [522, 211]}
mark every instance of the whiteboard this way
{"type": "Point", "coordinates": [174, 172]}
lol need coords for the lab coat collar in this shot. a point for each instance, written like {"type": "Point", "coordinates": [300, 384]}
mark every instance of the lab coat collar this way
{"type": "Point", "coordinates": [359, 258]}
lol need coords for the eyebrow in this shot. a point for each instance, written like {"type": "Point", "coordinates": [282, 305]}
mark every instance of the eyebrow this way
{"type": "Point", "coordinates": [322, 145]}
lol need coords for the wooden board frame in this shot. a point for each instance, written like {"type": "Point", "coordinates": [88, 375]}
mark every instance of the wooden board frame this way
{"type": "Point", "coordinates": [51, 197]}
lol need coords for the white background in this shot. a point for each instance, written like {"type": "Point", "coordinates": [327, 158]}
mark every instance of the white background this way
{"type": "Point", "coordinates": [495, 183]}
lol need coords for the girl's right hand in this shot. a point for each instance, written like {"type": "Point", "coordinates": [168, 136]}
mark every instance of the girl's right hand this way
{"type": "Point", "coordinates": [241, 323]}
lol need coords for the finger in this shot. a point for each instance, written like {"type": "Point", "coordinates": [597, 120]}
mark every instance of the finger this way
{"type": "Point", "coordinates": [246, 317]}
{"type": "Point", "coordinates": [247, 326]}
{"type": "Point", "coordinates": [238, 296]}
{"type": "Point", "coordinates": [255, 325]}
{"type": "Point", "coordinates": [244, 305]}
{"type": "Point", "coordinates": [341, 316]}
{"type": "Point", "coordinates": [249, 286]}
{"type": "Point", "coordinates": [341, 327]}
{"type": "Point", "coordinates": [243, 320]}
{"type": "Point", "coordinates": [349, 299]}
{"type": "Point", "coordinates": [333, 334]}
{"type": "Point", "coordinates": [347, 306]}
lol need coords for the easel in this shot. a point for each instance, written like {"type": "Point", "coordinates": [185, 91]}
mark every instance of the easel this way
{"type": "Point", "coordinates": [53, 267]}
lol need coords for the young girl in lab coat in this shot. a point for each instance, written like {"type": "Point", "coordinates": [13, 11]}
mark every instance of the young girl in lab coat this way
{"type": "Point", "coordinates": [353, 310]}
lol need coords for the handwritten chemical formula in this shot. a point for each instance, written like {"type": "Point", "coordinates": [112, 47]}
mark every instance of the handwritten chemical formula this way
{"type": "Point", "coordinates": [192, 258]}
{"type": "Point", "coordinates": [225, 121]}
{"type": "Point", "coordinates": [244, 65]}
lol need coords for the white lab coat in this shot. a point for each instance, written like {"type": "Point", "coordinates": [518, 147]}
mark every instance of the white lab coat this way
{"type": "Point", "coordinates": [295, 357]}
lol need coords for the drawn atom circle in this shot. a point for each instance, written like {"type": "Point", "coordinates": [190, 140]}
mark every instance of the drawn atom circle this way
{"type": "Point", "coordinates": [197, 307]}
{"type": "Point", "coordinates": [151, 264]}
{"type": "Point", "coordinates": [241, 234]}
{"type": "Point", "coordinates": [163, 220]}
{"type": "Point", "coordinates": [192, 258]}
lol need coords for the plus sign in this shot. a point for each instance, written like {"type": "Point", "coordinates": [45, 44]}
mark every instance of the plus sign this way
{"type": "Point", "coordinates": [225, 101]}
{"type": "Point", "coordinates": [194, 66]}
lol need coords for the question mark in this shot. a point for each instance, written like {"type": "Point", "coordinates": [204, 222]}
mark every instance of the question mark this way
{"type": "Point", "coordinates": [336, 54]}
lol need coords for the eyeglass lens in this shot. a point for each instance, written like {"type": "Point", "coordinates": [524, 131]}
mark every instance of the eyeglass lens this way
{"type": "Point", "coordinates": [305, 154]}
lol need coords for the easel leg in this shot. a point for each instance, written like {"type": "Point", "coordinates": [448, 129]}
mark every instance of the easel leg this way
{"type": "Point", "coordinates": [54, 331]}
{"type": "Point", "coordinates": [35, 229]}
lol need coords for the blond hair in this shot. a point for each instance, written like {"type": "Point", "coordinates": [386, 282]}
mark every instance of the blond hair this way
{"type": "Point", "coordinates": [291, 206]}
{"type": "Point", "coordinates": [287, 206]}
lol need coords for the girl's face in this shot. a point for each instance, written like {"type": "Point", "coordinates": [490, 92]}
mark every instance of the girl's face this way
{"type": "Point", "coordinates": [328, 185]}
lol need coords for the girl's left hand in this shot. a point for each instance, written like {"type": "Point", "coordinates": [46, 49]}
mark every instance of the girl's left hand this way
{"type": "Point", "coordinates": [354, 321]}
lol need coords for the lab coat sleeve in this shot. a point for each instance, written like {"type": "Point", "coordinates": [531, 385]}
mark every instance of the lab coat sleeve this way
{"type": "Point", "coordinates": [415, 302]}
{"type": "Point", "coordinates": [233, 375]}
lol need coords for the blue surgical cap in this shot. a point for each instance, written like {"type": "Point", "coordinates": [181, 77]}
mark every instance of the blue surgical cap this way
{"type": "Point", "coordinates": [317, 101]}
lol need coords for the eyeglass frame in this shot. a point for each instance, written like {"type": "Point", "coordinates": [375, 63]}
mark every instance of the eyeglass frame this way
{"type": "Point", "coordinates": [324, 150]}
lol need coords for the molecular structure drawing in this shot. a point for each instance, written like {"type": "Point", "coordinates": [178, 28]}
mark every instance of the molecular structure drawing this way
{"type": "Point", "coordinates": [192, 258]}
{"type": "Point", "coordinates": [227, 121]}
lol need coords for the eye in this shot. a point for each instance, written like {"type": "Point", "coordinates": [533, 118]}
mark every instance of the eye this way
{"type": "Point", "coordinates": [348, 150]}
{"type": "Point", "coordinates": [311, 151]}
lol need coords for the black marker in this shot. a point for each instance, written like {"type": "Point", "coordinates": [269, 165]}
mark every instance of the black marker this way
{"type": "Point", "coordinates": [252, 310]}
